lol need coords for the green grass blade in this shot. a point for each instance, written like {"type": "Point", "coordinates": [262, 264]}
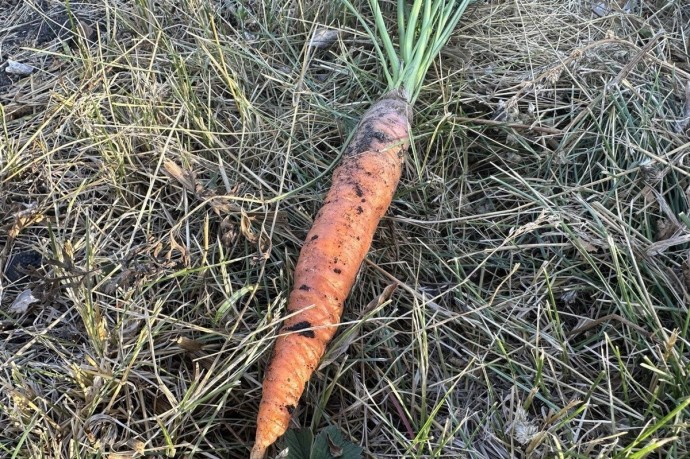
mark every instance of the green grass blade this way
{"type": "Point", "coordinates": [391, 79]}
{"type": "Point", "coordinates": [393, 59]}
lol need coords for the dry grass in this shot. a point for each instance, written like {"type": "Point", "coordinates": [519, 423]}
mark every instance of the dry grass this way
{"type": "Point", "coordinates": [160, 167]}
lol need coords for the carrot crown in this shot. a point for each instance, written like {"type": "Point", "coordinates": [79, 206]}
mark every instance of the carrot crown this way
{"type": "Point", "coordinates": [423, 29]}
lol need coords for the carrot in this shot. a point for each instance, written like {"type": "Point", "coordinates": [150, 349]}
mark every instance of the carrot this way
{"type": "Point", "coordinates": [339, 239]}
{"type": "Point", "coordinates": [361, 192]}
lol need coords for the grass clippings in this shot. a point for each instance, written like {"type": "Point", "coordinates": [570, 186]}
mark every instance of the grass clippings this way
{"type": "Point", "coordinates": [160, 167]}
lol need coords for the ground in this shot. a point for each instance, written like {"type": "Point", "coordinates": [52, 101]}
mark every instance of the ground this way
{"type": "Point", "coordinates": [525, 296]}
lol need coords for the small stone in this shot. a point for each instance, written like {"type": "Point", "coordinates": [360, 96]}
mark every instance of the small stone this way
{"type": "Point", "coordinates": [21, 304]}
{"type": "Point", "coordinates": [601, 9]}
{"type": "Point", "coordinates": [17, 68]}
{"type": "Point", "coordinates": [323, 38]}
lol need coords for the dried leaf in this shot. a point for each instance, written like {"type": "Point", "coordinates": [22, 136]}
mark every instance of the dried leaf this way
{"type": "Point", "coordinates": [102, 330]}
{"type": "Point", "coordinates": [189, 345]}
{"type": "Point", "coordinates": [25, 218]}
{"type": "Point", "coordinates": [183, 177]}
{"type": "Point", "coordinates": [220, 206]}
{"type": "Point", "coordinates": [174, 246]}
{"type": "Point", "coordinates": [228, 232]}
{"type": "Point", "coordinates": [68, 253]}
{"type": "Point", "coordinates": [265, 244]}
{"type": "Point", "coordinates": [246, 228]}
{"type": "Point", "coordinates": [382, 298]}
{"type": "Point", "coordinates": [138, 446]}
{"type": "Point", "coordinates": [157, 249]}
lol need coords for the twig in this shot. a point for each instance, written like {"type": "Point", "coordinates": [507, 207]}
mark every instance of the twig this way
{"type": "Point", "coordinates": [600, 320]}
{"type": "Point", "coordinates": [634, 61]}
{"type": "Point", "coordinates": [401, 414]}
{"type": "Point", "coordinates": [542, 129]}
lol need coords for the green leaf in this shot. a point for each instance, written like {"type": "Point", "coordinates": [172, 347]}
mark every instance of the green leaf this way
{"type": "Point", "coordinates": [228, 304]}
{"type": "Point", "coordinates": [329, 444]}
{"type": "Point", "coordinates": [299, 443]}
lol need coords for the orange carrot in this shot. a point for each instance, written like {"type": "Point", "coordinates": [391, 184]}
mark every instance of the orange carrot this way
{"type": "Point", "coordinates": [362, 189]}
{"type": "Point", "coordinates": [339, 239]}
